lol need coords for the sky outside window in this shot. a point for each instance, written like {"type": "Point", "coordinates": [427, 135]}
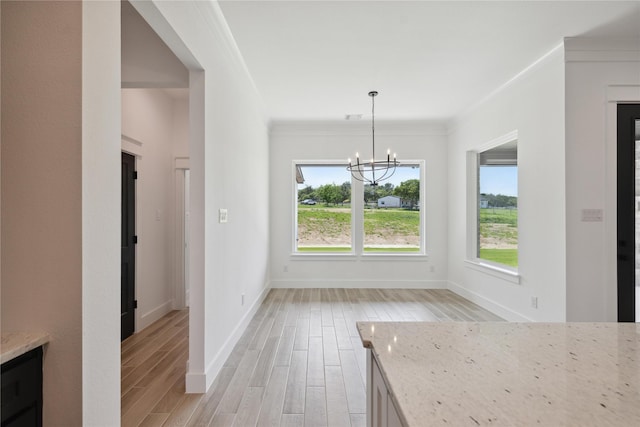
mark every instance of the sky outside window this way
{"type": "Point", "coordinates": [316, 176]}
{"type": "Point", "coordinates": [499, 180]}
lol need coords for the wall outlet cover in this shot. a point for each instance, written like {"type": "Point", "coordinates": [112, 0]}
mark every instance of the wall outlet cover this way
{"type": "Point", "coordinates": [223, 216]}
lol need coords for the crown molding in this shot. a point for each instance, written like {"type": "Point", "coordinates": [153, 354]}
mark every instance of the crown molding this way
{"type": "Point", "coordinates": [208, 16]}
{"type": "Point", "coordinates": [460, 120]}
{"type": "Point", "coordinates": [592, 49]}
{"type": "Point", "coordinates": [360, 128]}
{"type": "Point", "coordinates": [221, 31]}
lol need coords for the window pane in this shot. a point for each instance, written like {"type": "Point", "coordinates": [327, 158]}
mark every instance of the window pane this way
{"type": "Point", "coordinates": [323, 208]}
{"type": "Point", "coordinates": [498, 205]}
{"type": "Point", "coordinates": [392, 213]}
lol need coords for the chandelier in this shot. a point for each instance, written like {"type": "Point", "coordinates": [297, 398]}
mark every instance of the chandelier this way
{"type": "Point", "coordinates": [376, 170]}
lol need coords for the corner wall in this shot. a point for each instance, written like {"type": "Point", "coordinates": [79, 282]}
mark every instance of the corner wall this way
{"type": "Point", "coordinates": [599, 74]}
{"type": "Point", "coordinates": [42, 191]}
{"type": "Point", "coordinates": [101, 198]}
{"type": "Point", "coordinates": [532, 104]}
{"type": "Point", "coordinates": [228, 152]}
{"type": "Point", "coordinates": [291, 142]}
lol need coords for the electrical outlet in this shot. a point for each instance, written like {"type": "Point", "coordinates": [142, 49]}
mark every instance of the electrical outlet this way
{"type": "Point", "coordinates": [591, 215]}
{"type": "Point", "coordinates": [534, 302]}
{"type": "Point", "coordinates": [432, 269]}
{"type": "Point", "coordinates": [222, 216]}
{"type": "Point", "coordinates": [242, 299]}
{"type": "Point", "coordinates": [285, 269]}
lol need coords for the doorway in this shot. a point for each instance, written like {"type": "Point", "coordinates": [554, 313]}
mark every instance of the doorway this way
{"type": "Point", "coordinates": [128, 250]}
{"type": "Point", "coordinates": [628, 174]}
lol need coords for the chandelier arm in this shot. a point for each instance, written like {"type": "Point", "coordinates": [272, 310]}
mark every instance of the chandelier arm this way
{"type": "Point", "coordinates": [361, 172]}
{"type": "Point", "coordinates": [386, 172]}
{"type": "Point", "coordinates": [361, 179]}
{"type": "Point", "coordinates": [388, 175]}
{"type": "Point", "coordinates": [358, 174]}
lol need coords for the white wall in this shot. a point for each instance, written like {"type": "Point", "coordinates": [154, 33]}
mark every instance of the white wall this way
{"type": "Point", "coordinates": [599, 73]}
{"type": "Point", "coordinates": [149, 121]}
{"type": "Point", "coordinates": [61, 195]}
{"type": "Point", "coordinates": [101, 196]}
{"type": "Point", "coordinates": [146, 61]}
{"type": "Point", "coordinates": [42, 192]}
{"type": "Point", "coordinates": [228, 150]}
{"type": "Point", "coordinates": [532, 104]}
{"type": "Point", "coordinates": [336, 141]}
{"type": "Point", "coordinates": [180, 127]}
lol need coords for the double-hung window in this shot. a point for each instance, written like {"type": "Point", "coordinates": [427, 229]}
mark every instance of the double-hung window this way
{"type": "Point", "coordinates": [335, 213]}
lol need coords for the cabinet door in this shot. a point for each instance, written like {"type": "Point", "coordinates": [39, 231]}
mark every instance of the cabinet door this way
{"type": "Point", "coordinates": [378, 397]}
{"type": "Point", "coordinates": [22, 390]}
{"type": "Point", "coordinates": [393, 420]}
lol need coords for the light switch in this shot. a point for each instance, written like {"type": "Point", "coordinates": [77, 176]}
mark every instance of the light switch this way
{"type": "Point", "coordinates": [222, 216]}
{"type": "Point", "coordinates": [592, 215]}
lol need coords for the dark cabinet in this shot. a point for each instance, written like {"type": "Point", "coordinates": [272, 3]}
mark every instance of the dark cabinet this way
{"type": "Point", "coordinates": [22, 390]}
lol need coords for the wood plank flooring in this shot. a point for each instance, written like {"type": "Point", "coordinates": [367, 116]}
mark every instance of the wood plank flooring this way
{"type": "Point", "coordinates": [299, 363]}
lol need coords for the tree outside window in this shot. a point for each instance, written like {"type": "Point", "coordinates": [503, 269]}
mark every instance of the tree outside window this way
{"type": "Point", "coordinates": [390, 214]}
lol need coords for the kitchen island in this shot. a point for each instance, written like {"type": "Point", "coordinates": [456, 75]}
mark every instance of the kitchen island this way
{"type": "Point", "coordinates": [516, 374]}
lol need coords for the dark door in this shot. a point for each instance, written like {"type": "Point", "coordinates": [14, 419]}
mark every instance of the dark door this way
{"type": "Point", "coordinates": [128, 263]}
{"type": "Point", "coordinates": [628, 133]}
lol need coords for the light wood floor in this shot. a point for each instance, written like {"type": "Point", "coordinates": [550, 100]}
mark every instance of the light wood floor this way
{"type": "Point", "coordinates": [299, 363]}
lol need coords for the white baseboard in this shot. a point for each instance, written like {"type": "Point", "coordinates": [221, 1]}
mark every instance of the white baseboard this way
{"type": "Point", "coordinates": [360, 284]}
{"type": "Point", "coordinates": [492, 306]}
{"type": "Point", "coordinates": [200, 382]}
{"type": "Point", "coordinates": [155, 314]}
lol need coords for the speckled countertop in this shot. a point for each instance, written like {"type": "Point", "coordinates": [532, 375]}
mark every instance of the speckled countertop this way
{"type": "Point", "coordinates": [15, 344]}
{"type": "Point", "coordinates": [515, 374]}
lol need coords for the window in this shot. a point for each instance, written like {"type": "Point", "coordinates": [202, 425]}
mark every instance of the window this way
{"type": "Point", "coordinates": [497, 204]}
{"type": "Point", "coordinates": [323, 208]}
{"type": "Point", "coordinates": [392, 213]}
{"type": "Point", "coordinates": [387, 219]}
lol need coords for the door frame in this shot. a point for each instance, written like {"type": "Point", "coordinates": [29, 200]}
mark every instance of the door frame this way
{"type": "Point", "coordinates": [131, 218]}
{"type": "Point", "coordinates": [627, 114]}
{"type": "Point", "coordinates": [179, 289]}
{"type": "Point", "coordinates": [615, 94]}
{"type": "Point", "coordinates": [134, 147]}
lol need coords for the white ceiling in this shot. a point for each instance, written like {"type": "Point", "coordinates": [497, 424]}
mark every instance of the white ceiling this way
{"type": "Point", "coordinates": [430, 60]}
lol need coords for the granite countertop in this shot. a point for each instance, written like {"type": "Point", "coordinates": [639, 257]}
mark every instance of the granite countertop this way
{"type": "Point", "coordinates": [15, 344]}
{"type": "Point", "coordinates": [549, 374]}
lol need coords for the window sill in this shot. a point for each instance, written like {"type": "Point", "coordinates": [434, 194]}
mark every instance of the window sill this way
{"type": "Point", "coordinates": [495, 271]}
{"type": "Point", "coordinates": [379, 256]}
{"type": "Point", "coordinates": [348, 256]}
{"type": "Point", "coordinates": [319, 256]}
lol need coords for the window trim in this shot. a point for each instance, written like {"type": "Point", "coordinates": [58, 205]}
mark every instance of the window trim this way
{"type": "Point", "coordinates": [357, 218]}
{"type": "Point", "coordinates": [473, 221]}
{"type": "Point", "coordinates": [493, 269]}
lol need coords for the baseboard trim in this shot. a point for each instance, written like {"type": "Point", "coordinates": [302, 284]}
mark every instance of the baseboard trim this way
{"type": "Point", "coordinates": [492, 306]}
{"type": "Point", "coordinates": [155, 314]}
{"type": "Point", "coordinates": [200, 382]}
{"type": "Point", "coordinates": [359, 284]}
